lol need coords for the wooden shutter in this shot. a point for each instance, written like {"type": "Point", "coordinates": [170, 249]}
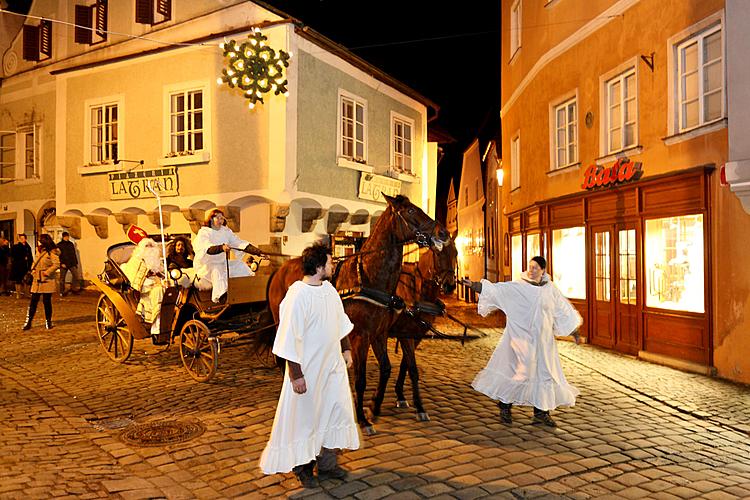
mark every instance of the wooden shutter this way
{"type": "Point", "coordinates": [164, 7]}
{"type": "Point", "coordinates": [45, 37]}
{"type": "Point", "coordinates": [30, 42]}
{"type": "Point", "coordinates": [83, 21]}
{"type": "Point", "coordinates": [101, 18]}
{"type": "Point", "coordinates": [144, 11]}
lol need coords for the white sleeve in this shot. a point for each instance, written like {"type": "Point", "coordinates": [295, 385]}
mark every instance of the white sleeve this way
{"type": "Point", "coordinates": [201, 244]}
{"type": "Point", "coordinates": [491, 298]}
{"type": "Point", "coordinates": [345, 324]}
{"type": "Point", "coordinates": [566, 317]}
{"type": "Point", "coordinates": [289, 335]}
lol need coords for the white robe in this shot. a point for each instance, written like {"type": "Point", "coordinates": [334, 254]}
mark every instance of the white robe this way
{"type": "Point", "coordinates": [213, 268]}
{"type": "Point", "coordinates": [312, 323]}
{"type": "Point", "coordinates": [525, 367]}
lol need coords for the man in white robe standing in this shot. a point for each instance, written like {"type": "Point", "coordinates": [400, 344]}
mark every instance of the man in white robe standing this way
{"type": "Point", "coordinates": [315, 413]}
{"type": "Point", "coordinates": [212, 246]}
{"type": "Point", "coordinates": [525, 368]}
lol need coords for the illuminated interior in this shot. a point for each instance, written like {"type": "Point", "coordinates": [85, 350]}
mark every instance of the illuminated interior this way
{"type": "Point", "coordinates": [516, 255]}
{"type": "Point", "coordinates": [569, 261]}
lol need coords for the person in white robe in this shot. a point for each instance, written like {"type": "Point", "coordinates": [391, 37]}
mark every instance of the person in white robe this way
{"type": "Point", "coordinates": [525, 367]}
{"type": "Point", "coordinates": [212, 246]}
{"type": "Point", "coordinates": [315, 413]}
{"type": "Point", "coordinates": [145, 270]}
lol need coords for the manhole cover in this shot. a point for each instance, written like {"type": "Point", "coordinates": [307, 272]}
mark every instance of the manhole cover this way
{"type": "Point", "coordinates": [161, 433]}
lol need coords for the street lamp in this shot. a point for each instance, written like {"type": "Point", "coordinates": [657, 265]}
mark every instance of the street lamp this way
{"type": "Point", "coordinates": [499, 173]}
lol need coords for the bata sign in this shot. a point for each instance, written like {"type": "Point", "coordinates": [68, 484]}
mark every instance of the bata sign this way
{"type": "Point", "coordinates": [624, 170]}
{"type": "Point", "coordinates": [133, 185]}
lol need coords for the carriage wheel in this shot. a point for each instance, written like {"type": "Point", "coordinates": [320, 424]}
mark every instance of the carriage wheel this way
{"type": "Point", "coordinates": [199, 353]}
{"type": "Point", "coordinates": [114, 334]}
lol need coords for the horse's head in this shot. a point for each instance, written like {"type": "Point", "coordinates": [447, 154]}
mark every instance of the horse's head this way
{"type": "Point", "coordinates": [415, 225]}
{"type": "Point", "coordinates": [439, 267]}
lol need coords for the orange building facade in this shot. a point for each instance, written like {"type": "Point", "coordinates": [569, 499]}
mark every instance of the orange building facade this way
{"type": "Point", "coordinates": [614, 135]}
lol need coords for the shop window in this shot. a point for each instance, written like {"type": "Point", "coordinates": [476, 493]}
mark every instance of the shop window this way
{"type": "Point", "coordinates": [516, 258]}
{"type": "Point", "coordinates": [515, 28]}
{"type": "Point", "coordinates": [352, 128]}
{"type": "Point", "coordinates": [673, 249]}
{"type": "Point", "coordinates": [602, 266]}
{"type": "Point", "coordinates": [401, 154]}
{"type": "Point", "coordinates": [532, 245]}
{"type": "Point", "coordinates": [515, 162]}
{"type": "Point", "coordinates": [566, 134]}
{"type": "Point", "coordinates": [621, 112]}
{"type": "Point", "coordinates": [627, 266]}
{"type": "Point", "coordinates": [700, 79]}
{"type": "Point", "coordinates": [569, 261]}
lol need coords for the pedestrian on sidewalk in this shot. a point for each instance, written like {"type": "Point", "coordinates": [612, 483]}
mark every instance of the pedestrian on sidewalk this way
{"type": "Point", "coordinates": [4, 265]}
{"type": "Point", "coordinates": [21, 258]}
{"type": "Point", "coordinates": [315, 413]}
{"type": "Point", "coordinates": [525, 368]}
{"type": "Point", "coordinates": [69, 262]}
{"type": "Point", "coordinates": [43, 270]}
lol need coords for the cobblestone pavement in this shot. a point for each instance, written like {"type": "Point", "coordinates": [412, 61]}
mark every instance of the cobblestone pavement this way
{"type": "Point", "coordinates": [638, 429]}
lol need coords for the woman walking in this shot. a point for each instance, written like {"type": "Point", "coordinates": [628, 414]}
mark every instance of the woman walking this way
{"type": "Point", "coordinates": [21, 259]}
{"type": "Point", "coordinates": [43, 270]}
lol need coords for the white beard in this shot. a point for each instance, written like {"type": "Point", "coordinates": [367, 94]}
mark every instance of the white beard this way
{"type": "Point", "coordinates": [149, 251]}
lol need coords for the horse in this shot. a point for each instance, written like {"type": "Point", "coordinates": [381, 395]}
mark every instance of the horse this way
{"type": "Point", "coordinates": [421, 285]}
{"type": "Point", "coordinates": [371, 275]}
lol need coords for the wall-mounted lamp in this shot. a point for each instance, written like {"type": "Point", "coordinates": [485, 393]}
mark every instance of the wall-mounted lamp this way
{"type": "Point", "coordinates": [499, 173]}
{"type": "Point", "coordinates": [649, 60]}
{"type": "Point", "coordinates": [118, 160]}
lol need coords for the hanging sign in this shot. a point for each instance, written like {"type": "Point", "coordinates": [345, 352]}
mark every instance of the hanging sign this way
{"type": "Point", "coordinates": [624, 170]}
{"type": "Point", "coordinates": [371, 186]}
{"type": "Point", "coordinates": [134, 185]}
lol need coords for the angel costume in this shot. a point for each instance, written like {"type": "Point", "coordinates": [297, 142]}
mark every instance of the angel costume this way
{"type": "Point", "coordinates": [525, 367]}
{"type": "Point", "coordinates": [142, 270]}
{"type": "Point", "coordinates": [312, 322]}
{"type": "Point", "coordinates": [213, 268]}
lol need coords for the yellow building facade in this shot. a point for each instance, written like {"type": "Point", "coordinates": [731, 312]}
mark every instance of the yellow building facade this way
{"type": "Point", "coordinates": [614, 135]}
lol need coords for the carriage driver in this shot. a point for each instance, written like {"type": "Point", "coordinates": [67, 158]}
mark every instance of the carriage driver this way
{"type": "Point", "coordinates": [212, 245]}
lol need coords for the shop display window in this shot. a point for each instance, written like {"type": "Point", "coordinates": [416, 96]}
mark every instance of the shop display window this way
{"type": "Point", "coordinates": [516, 262]}
{"type": "Point", "coordinates": [569, 261]}
{"type": "Point", "coordinates": [532, 245]}
{"type": "Point", "coordinates": [674, 263]}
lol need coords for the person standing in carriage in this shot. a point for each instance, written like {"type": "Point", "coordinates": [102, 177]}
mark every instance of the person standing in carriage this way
{"type": "Point", "coordinates": [212, 245]}
{"type": "Point", "coordinates": [525, 368]}
{"type": "Point", "coordinates": [315, 413]}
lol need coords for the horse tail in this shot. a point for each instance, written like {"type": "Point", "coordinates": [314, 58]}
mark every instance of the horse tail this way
{"type": "Point", "coordinates": [262, 343]}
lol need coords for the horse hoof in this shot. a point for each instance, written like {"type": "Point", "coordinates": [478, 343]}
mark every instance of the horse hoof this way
{"type": "Point", "coordinates": [369, 430]}
{"type": "Point", "coordinates": [402, 404]}
{"type": "Point", "coordinates": [423, 416]}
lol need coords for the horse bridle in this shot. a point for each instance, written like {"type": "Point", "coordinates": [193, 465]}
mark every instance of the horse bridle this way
{"type": "Point", "coordinates": [422, 234]}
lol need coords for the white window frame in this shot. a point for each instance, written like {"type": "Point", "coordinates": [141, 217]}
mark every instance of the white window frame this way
{"type": "Point", "coordinates": [88, 106]}
{"type": "Point", "coordinates": [19, 154]}
{"type": "Point", "coordinates": [515, 28]}
{"type": "Point", "coordinates": [515, 161]}
{"type": "Point", "coordinates": [565, 102]}
{"type": "Point", "coordinates": [618, 76]}
{"type": "Point", "coordinates": [189, 156]}
{"type": "Point", "coordinates": [357, 101]}
{"type": "Point", "coordinates": [13, 166]}
{"type": "Point", "coordinates": [406, 122]}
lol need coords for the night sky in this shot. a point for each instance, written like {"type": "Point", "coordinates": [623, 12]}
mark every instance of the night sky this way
{"type": "Point", "coordinates": [451, 56]}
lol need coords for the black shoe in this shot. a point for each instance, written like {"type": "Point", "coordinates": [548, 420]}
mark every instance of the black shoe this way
{"type": "Point", "coordinates": [335, 473]}
{"type": "Point", "coordinates": [305, 475]}
{"type": "Point", "coordinates": [505, 416]}
{"type": "Point", "coordinates": [27, 325]}
{"type": "Point", "coordinates": [543, 419]}
{"type": "Point", "coordinates": [48, 324]}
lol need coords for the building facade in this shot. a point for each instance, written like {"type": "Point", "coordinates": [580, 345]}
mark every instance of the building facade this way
{"type": "Point", "coordinates": [103, 115]}
{"type": "Point", "coordinates": [615, 129]}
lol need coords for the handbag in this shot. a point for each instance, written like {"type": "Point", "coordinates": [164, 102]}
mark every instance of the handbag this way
{"type": "Point", "coordinates": [28, 278]}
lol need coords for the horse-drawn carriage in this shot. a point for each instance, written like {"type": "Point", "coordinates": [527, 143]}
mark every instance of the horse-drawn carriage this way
{"type": "Point", "coordinates": [187, 315]}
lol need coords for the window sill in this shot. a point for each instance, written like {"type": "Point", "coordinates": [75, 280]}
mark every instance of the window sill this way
{"type": "Point", "coordinates": [402, 176]}
{"type": "Point", "coordinates": [633, 151]}
{"type": "Point", "coordinates": [27, 182]}
{"type": "Point", "coordinates": [99, 169]}
{"type": "Point", "coordinates": [347, 163]}
{"type": "Point", "coordinates": [199, 157]}
{"type": "Point", "coordinates": [696, 132]}
{"type": "Point", "coordinates": [564, 170]}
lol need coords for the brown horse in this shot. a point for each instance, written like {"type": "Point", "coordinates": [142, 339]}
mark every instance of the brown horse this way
{"type": "Point", "coordinates": [421, 285]}
{"type": "Point", "coordinates": [376, 267]}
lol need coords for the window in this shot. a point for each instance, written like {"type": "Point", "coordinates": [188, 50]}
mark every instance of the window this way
{"type": "Point", "coordinates": [621, 112]}
{"type": "Point", "coordinates": [352, 128]}
{"type": "Point", "coordinates": [515, 28]}
{"type": "Point", "coordinates": [477, 191]}
{"type": "Point", "coordinates": [466, 196]}
{"type": "Point", "coordinates": [516, 257]}
{"type": "Point", "coordinates": [91, 23]}
{"type": "Point", "coordinates": [153, 11]}
{"type": "Point", "coordinates": [602, 264]}
{"type": "Point", "coordinates": [700, 79]}
{"type": "Point", "coordinates": [569, 261]}
{"type": "Point", "coordinates": [27, 137]}
{"type": "Point", "coordinates": [515, 162]}
{"type": "Point", "coordinates": [7, 157]}
{"type": "Point", "coordinates": [104, 133]}
{"type": "Point", "coordinates": [627, 274]}
{"type": "Point", "coordinates": [401, 154]}
{"type": "Point", "coordinates": [37, 41]}
{"type": "Point", "coordinates": [532, 245]}
{"type": "Point", "coordinates": [186, 130]}
{"type": "Point", "coordinates": [674, 263]}
{"type": "Point", "coordinates": [566, 134]}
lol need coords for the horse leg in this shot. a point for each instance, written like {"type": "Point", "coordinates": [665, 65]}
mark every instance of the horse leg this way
{"type": "Point", "coordinates": [422, 415]}
{"type": "Point", "coordinates": [407, 346]}
{"type": "Point", "coordinates": [380, 349]}
{"type": "Point", "coordinates": [359, 357]}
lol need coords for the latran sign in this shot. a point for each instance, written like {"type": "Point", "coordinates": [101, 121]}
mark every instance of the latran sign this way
{"type": "Point", "coordinates": [371, 186]}
{"type": "Point", "coordinates": [134, 185]}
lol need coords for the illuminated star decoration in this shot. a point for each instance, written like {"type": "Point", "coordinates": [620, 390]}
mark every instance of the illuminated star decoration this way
{"type": "Point", "coordinates": [254, 67]}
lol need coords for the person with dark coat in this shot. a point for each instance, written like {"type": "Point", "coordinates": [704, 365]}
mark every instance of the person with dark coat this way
{"type": "Point", "coordinates": [4, 265]}
{"type": "Point", "coordinates": [69, 262]}
{"type": "Point", "coordinates": [180, 254]}
{"type": "Point", "coordinates": [43, 270]}
{"type": "Point", "coordinates": [21, 259]}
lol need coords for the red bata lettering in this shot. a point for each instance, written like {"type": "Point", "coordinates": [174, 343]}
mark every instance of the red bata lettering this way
{"type": "Point", "coordinates": [623, 170]}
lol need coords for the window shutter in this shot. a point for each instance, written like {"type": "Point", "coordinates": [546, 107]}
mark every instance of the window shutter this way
{"type": "Point", "coordinates": [83, 21]}
{"type": "Point", "coordinates": [164, 7]}
{"type": "Point", "coordinates": [30, 42]}
{"type": "Point", "coordinates": [101, 18]}
{"type": "Point", "coordinates": [45, 37]}
{"type": "Point", "coordinates": [144, 11]}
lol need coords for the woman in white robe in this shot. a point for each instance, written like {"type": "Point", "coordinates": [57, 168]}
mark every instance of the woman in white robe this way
{"type": "Point", "coordinates": [525, 368]}
{"type": "Point", "coordinates": [211, 245]}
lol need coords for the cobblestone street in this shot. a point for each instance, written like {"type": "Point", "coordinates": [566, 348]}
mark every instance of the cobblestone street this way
{"type": "Point", "coordinates": [638, 430]}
